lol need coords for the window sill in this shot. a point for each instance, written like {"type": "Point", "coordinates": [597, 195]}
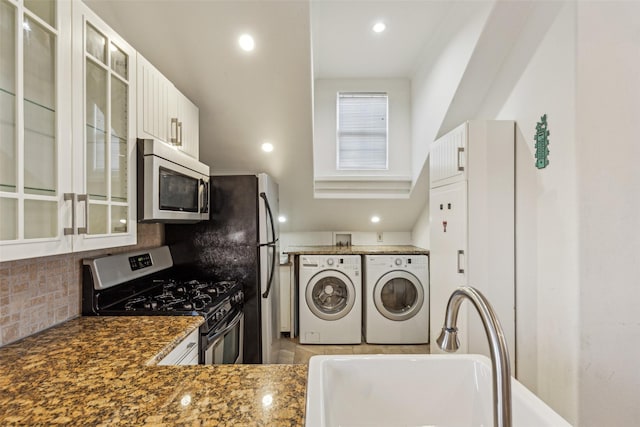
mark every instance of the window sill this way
{"type": "Point", "coordinates": [362, 187]}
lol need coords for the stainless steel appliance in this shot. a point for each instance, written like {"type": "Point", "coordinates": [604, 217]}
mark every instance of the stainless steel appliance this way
{"type": "Point", "coordinates": [144, 283]}
{"type": "Point", "coordinates": [173, 187]}
{"type": "Point", "coordinates": [240, 243]}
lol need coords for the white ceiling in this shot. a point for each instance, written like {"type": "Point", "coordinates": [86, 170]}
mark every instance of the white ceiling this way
{"type": "Point", "coordinates": [246, 99]}
{"type": "Point", "coordinates": [345, 47]}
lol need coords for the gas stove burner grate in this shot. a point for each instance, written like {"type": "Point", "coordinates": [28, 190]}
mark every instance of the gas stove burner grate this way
{"type": "Point", "coordinates": [171, 295]}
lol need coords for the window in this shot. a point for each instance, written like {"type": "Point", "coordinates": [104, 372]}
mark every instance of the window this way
{"type": "Point", "coordinates": [362, 130]}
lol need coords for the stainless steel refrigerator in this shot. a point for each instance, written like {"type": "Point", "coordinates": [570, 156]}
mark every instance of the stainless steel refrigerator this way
{"type": "Point", "coordinates": [239, 242]}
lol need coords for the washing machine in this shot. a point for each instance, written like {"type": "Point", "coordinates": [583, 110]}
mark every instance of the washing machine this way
{"type": "Point", "coordinates": [396, 299]}
{"type": "Point", "coordinates": [330, 299]}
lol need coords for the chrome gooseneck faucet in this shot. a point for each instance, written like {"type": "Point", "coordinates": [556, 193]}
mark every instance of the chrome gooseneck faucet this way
{"type": "Point", "coordinates": [501, 375]}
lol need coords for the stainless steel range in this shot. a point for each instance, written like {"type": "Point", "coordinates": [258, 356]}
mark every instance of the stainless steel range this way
{"type": "Point", "coordinates": [143, 283]}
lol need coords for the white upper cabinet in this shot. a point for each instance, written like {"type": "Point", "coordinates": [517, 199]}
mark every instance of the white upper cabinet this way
{"type": "Point", "coordinates": [154, 120]}
{"type": "Point", "coordinates": [35, 123]}
{"type": "Point", "coordinates": [189, 123]}
{"type": "Point", "coordinates": [104, 124]}
{"type": "Point", "coordinates": [164, 113]}
{"type": "Point", "coordinates": [447, 158]}
{"type": "Point", "coordinates": [67, 179]}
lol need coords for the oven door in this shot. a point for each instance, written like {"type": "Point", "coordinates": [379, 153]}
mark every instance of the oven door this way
{"type": "Point", "coordinates": [223, 345]}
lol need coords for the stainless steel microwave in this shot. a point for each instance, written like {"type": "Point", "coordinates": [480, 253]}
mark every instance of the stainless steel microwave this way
{"type": "Point", "coordinates": [173, 187]}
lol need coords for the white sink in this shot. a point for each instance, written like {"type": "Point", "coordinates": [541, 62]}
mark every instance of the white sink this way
{"type": "Point", "coordinates": [413, 390]}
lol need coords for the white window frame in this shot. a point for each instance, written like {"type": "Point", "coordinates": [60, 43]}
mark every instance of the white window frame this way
{"type": "Point", "coordinates": [340, 95]}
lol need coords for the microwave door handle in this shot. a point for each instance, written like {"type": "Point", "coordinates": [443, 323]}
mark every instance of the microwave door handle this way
{"type": "Point", "coordinates": [201, 196]}
{"type": "Point", "coordinates": [204, 190]}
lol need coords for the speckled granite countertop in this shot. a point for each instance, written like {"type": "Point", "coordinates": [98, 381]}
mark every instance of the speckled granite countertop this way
{"type": "Point", "coordinates": [102, 371]}
{"type": "Point", "coordinates": [356, 250]}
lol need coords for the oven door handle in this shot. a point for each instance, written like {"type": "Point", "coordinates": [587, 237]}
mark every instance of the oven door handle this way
{"type": "Point", "coordinates": [219, 334]}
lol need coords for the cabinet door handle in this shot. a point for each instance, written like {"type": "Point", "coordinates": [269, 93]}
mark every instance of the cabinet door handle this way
{"type": "Point", "coordinates": [460, 264]}
{"type": "Point", "coordinates": [186, 353]}
{"type": "Point", "coordinates": [72, 229]}
{"type": "Point", "coordinates": [84, 198]}
{"type": "Point", "coordinates": [179, 134]}
{"type": "Point", "coordinates": [460, 165]}
{"type": "Point", "coordinates": [174, 121]}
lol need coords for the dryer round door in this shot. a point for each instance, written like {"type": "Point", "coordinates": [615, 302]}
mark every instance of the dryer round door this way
{"type": "Point", "coordinates": [398, 295]}
{"type": "Point", "coordinates": [330, 295]}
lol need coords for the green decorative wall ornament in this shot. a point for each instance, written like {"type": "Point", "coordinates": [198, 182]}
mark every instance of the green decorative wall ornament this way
{"type": "Point", "coordinates": [542, 143]}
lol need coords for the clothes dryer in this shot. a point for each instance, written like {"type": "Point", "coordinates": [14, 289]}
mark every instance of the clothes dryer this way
{"type": "Point", "coordinates": [330, 299]}
{"type": "Point", "coordinates": [396, 299]}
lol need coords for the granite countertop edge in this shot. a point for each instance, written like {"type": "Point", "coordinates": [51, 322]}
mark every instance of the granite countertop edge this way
{"type": "Point", "coordinates": [100, 370]}
{"type": "Point", "coordinates": [357, 250]}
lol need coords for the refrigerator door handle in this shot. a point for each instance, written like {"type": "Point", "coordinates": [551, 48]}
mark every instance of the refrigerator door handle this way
{"type": "Point", "coordinates": [273, 268]}
{"type": "Point", "coordinates": [270, 245]}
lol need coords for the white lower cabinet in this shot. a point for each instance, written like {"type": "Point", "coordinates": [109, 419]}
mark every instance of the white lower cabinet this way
{"type": "Point", "coordinates": [185, 353]}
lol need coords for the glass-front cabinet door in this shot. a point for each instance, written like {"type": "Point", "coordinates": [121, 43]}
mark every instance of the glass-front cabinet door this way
{"type": "Point", "coordinates": [35, 136]}
{"type": "Point", "coordinates": [104, 139]}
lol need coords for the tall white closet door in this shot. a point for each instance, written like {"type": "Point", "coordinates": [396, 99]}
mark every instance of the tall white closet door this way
{"type": "Point", "coordinates": [472, 190]}
{"type": "Point", "coordinates": [448, 209]}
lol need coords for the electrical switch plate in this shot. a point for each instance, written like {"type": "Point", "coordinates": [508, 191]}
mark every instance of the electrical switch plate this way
{"type": "Point", "coordinates": [379, 236]}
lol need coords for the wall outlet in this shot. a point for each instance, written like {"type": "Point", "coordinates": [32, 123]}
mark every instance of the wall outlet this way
{"type": "Point", "coordinates": [342, 239]}
{"type": "Point", "coordinates": [379, 236]}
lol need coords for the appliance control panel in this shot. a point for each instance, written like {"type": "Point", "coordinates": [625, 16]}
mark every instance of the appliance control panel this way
{"type": "Point", "coordinates": [140, 261]}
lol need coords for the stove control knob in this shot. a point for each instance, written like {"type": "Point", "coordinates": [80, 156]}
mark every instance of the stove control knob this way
{"type": "Point", "coordinates": [330, 261]}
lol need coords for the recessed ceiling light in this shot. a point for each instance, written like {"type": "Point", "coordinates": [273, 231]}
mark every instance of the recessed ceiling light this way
{"type": "Point", "coordinates": [375, 219]}
{"type": "Point", "coordinates": [379, 27]}
{"type": "Point", "coordinates": [246, 42]}
{"type": "Point", "coordinates": [267, 147]}
{"type": "Point", "coordinates": [282, 218]}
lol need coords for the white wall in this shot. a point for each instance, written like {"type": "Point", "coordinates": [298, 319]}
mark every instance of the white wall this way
{"type": "Point", "coordinates": [434, 84]}
{"type": "Point", "coordinates": [324, 132]}
{"type": "Point", "coordinates": [577, 220]}
{"type": "Point", "coordinates": [608, 125]}
{"type": "Point", "coordinates": [420, 232]}
{"type": "Point", "coordinates": [324, 238]}
{"type": "Point", "coordinates": [546, 220]}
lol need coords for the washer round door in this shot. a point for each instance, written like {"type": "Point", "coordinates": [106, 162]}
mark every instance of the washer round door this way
{"type": "Point", "coordinates": [330, 295]}
{"type": "Point", "coordinates": [398, 295]}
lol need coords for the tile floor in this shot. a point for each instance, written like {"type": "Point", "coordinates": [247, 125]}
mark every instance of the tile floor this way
{"type": "Point", "coordinates": [292, 352]}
